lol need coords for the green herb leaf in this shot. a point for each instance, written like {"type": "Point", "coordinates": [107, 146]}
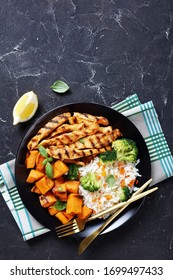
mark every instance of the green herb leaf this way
{"type": "Point", "coordinates": [60, 205]}
{"type": "Point", "coordinates": [110, 180]}
{"type": "Point", "coordinates": [81, 141]}
{"type": "Point", "coordinates": [49, 170]}
{"type": "Point", "coordinates": [59, 86]}
{"type": "Point", "coordinates": [44, 161]}
{"type": "Point", "coordinates": [49, 159]}
{"type": "Point", "coordinates": [42, 151]}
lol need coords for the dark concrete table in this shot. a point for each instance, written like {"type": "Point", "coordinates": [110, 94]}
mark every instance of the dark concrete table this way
{"type": "Point", "coordinates": [105, 50]}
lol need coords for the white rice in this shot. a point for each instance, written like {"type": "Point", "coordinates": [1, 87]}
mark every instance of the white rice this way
{"type": "Point", "coordinates": [107, 196]}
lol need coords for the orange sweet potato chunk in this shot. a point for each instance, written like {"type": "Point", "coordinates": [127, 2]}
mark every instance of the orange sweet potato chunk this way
{"type": "Point", "coordinates": [31, 159]}
{"type": "Point", "coordinates": [60, 192]}
{"type": "Point", "coordinates": [44, 184]}
{"type": "Point", "coordinates": [47, 199]}
{"type": "Point", "coordinates": [74, 204]}
{"type": "Point", "coordinates": [86, 212]}
{"type": "Point", "coordinates": [34, 175]}
{"type": "Point", "coordinates": [59, 168]}
{"type": "Point", "coordinates": [52, 210]}
{"type": "Point", "coordinates": [35, 190]}
{"type": "Point", "coordinates": [39, 163]}
{"type": "Point", "coordinates": [59, 181]}
{"type": "Point", "coordinates": [63, 217]}
{"type": "Point", "coordinates": [72, 186]}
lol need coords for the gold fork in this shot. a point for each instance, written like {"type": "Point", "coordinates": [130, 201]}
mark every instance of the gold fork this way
{"type": "Point", "coordinates": [87, 240]}
{"type": "Point", "coordinates": [78, 225]}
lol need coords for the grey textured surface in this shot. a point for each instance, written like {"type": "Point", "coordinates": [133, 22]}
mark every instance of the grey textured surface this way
{"type": "Point", "coordinates": [105, 50]}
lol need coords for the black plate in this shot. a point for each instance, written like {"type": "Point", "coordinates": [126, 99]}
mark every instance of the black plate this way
{"type": "Point", "coordinates": [117, 120]}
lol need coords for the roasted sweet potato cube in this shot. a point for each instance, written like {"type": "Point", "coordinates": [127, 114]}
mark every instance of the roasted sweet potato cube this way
{"type": "Point", "coordinates": [69, 216]}
{"type": "Point", "coordinates": [31, 159]}
{"type": "Point", "coordinates": [86, 212]}
{"type": "Point", "coordinates": [62, 196]}
{"type": "Point", "coordinates": [39, 163]}
{"type": "Point", "coordinates": [72, 186]}
{"type": "Point", "coordinates": [52, 210]}
{"type": "Point", "coordinates": [63, 217]}
{"type": "Point", "coordinates": [59, 181]}
{"type": "Point", "coordinates": [59, 168]}
{"type": "Point", "coordinates": [47, 199]}
{"type": "Point", "coordinates": [44, 184]}
{"type": "Point", "coordinates": [35, 190]}
{"type": "Point", "coordinates": [74, 204]}
{"type": "Point", "coordinates": [61, 188]}
{"type": "Point", "coordinates": [34, 175]}
{"type": "Point", "coordinates": [60, 192]}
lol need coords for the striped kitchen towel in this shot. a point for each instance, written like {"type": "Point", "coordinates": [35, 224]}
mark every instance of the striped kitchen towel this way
{"type": "Point", "coordinates": [143, 116]}
{"type": "Point", "coordinates": [28, 226]}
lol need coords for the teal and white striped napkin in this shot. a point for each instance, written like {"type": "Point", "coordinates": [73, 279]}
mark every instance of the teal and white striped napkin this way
{"type": "Point", "coordinates": [27, 224]}
{"type": "Point", "coordinates": [143, 116]}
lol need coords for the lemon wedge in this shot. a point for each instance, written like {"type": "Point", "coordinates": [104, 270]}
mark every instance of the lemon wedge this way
{"type": "Point", "coordinates": [25, 107]}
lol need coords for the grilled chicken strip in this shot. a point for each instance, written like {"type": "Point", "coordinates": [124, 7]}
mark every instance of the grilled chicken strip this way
{"type": "Point", "coordinates": [66, 152]}
{"type": "Point", "coordinates": [98, 140]}
{"type": "Point", "coordinates": [66, 128]}
{"type": "Point", "coordinates": [78, 120]}
{"type": "Point", "coordinates": [99, 119]}
{"type": "Point", "coordinates": [47, 129]}
{"type": "Point", "coordinates": [72, 120]}
{"type": "Point", "coordinates": [105, 129]}
{"type": "Point", "coordinates": [71, 137]}
{"type": "Point", "coordinates": [64, 139]}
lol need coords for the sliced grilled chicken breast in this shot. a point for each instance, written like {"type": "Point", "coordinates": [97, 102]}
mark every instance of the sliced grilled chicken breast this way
{"type": "Point", "coordinates": [47, 129]}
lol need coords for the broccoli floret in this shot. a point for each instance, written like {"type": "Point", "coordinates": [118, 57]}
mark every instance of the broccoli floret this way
{"type": "Point", "coordinates": [73, 172]}
{"type": "Point", "coordinates": [108, 156]}
{"type": "Point", "coordinates": [123, 193]}
{"type": "Point", "coordinates": [126, 149]}
{"type": "Point", "coordinates": [89, 182]}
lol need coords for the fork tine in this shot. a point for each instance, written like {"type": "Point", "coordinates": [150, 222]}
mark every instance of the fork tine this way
{"type": "Point", "coordinates": [67, 229]}
{"type": "Point", "coordinates": [73, 227]}
{"type": "Point", "coordinates": [62, 226]}
{"type": "Point", "coordinates": [68, 233]}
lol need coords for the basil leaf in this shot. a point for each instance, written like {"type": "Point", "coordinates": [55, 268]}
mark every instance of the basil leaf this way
{"type": "Point", "coordinates": [44, 161]}
{"type": "Point", "coordinates": [49, 159]}
{"type": "Point", "coordinates": [110, 180]}
{"type": "Point", "coordinates": [42, 151]}
{"type": "Point", "coordinates": [60, 205]}
{"type": "Point", "coordinates": [49, 170]}
{"type": "Point", "coordinates": [59, 86]}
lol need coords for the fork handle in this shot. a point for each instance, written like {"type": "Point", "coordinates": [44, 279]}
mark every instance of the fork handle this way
{"type": "Point", "coordinates": [121, 204]}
